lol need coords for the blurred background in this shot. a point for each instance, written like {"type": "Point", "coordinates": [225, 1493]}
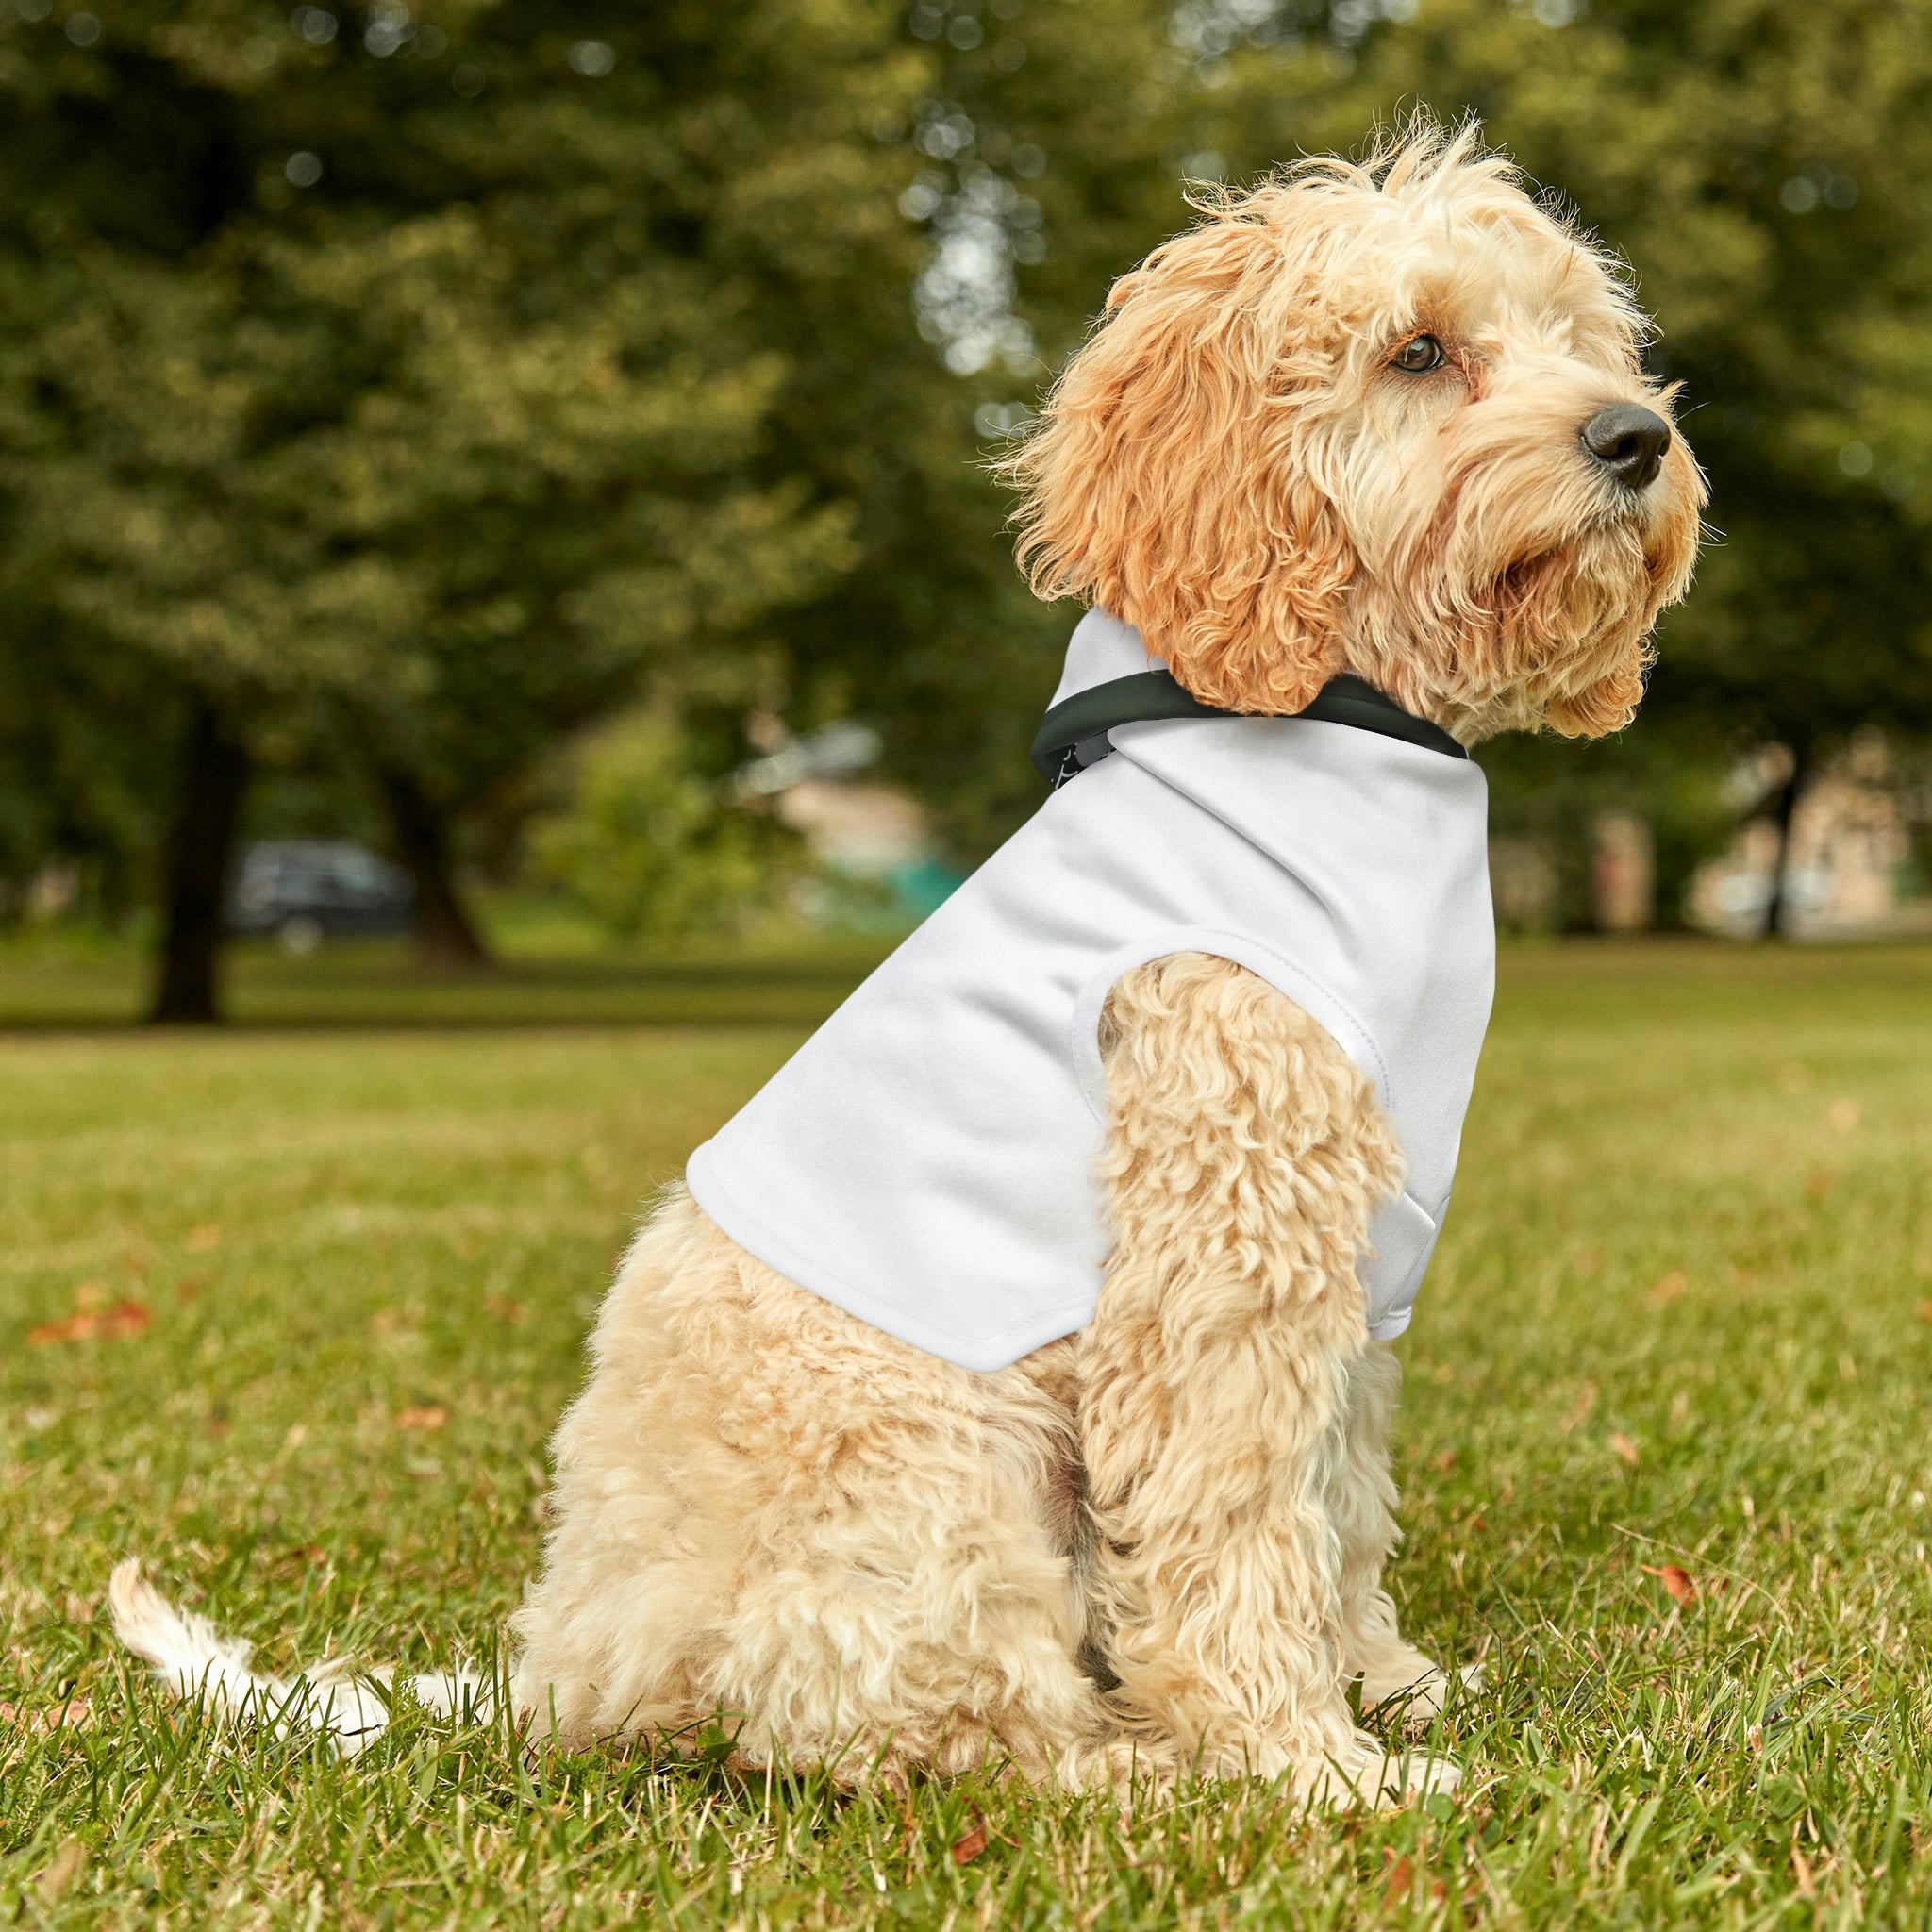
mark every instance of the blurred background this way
{"type": "Point", "coordinates": [487, 484]}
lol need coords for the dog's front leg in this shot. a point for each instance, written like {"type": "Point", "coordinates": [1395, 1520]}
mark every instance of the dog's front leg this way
{"type": "Point", "coordinates": [1361, 1502]}
{"type": "Point", "coordinates": [1244, 1157]}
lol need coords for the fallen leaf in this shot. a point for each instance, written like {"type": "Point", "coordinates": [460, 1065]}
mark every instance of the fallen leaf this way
{"type": "Point", "coordinates": [1665, 1291]}
{"type": "Point", "coordinates": [505, 1309]}
{"type": "Point", "coordinates": [968, 1848]}
{"type": "Point", "coordinates": [1400, 1882]}
{"type": "Point", "coordinates": [1475, 1522]}
{"type": "Point", "coordinates": [61, 1870]}
{"type": "Point", "coordinates": [1444, 1463]}
{"type": "Point", "coordinates": [1624, 1448]}
{"type": "Point", "coordinates": [427, 1417]}
{"type": "Point", "coordinates": [1842, 1115]}
{"type": "Point", "coordinates": [1678, 1584]}
{"type": "Point", "coordinates": [203, 1239]}
{"type": "Point", "coordinates": [76, 1328]}
{"type": "Point", "coordinates": [123, 1319]}
{"type": "Point", "coordinates": [76, 1715]}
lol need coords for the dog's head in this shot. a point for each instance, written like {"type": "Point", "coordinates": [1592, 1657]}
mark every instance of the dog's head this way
{"type": "Point", "coordinates": [1387, 418]}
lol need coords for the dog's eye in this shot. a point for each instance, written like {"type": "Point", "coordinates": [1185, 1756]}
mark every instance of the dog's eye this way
{"type": "Point", "coordinates": [1418, 356]}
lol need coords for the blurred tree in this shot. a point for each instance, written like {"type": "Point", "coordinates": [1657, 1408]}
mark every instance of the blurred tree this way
{"type": "Point", "coordinates": [420, 385]}
{"type": "Point", "coordinates": [409, 380]}
{"type": "Point", "coordinates": [80, 761]}
{"type": "Point", "coordinates": [1048, 150]}
{"type": "Point", "coordinates": [649, 848]}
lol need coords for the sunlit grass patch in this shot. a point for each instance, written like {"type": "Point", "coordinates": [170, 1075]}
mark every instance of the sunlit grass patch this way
{"type": "Point", "coordinates": [1662, 1452]}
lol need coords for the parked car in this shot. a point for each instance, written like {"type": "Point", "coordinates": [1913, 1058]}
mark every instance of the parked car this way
{"type": "Point", "coordinates": [305, 891]}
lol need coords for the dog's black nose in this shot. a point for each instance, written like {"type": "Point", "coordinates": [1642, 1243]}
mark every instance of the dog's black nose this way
{"type": "Point", "coordinates": [1628, 441]}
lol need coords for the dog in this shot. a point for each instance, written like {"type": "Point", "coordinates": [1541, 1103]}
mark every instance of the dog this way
{"type": "Point", "coordinates": [1078, 1463]}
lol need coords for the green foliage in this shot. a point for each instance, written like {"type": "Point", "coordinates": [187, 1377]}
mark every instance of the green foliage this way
{"type": "Point", "coordinates": [1041, 162]}
{"type": "Point", "coordinates": [428, 386]}
{"type": "Point", "coordinates": [1692, 1214]}
{"type": "Point", "coordinates": [83, 742]}
{"type": "Point", "coordinates": [647, 847]}
{"type": "Point", "coordinates": [420, 392]}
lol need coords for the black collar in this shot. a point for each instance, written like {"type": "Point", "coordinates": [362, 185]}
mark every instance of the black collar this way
{"type": "Point", "coordinates": [1074, 735]}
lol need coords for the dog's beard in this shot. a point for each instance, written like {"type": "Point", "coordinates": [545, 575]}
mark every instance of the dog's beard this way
{"type": "Point", "coordinates": [1568, 624]}
{"type": "Point", "coordinates": [1553, 635]}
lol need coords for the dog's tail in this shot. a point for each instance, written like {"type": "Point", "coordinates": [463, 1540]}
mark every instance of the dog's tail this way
{"type": "Point", "coordinates": [195, 1661]}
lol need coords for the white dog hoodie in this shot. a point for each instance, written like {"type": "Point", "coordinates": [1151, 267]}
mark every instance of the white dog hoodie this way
{"type": "Point", "coordinates": [926, 1159]}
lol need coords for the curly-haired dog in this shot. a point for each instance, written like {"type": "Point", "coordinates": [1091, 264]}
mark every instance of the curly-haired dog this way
{"type": "Point", "coordinates": [1006, 1383]}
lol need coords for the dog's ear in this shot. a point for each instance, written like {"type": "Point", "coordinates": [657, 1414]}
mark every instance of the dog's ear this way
{"type": "Point", "coordinates": [1168, 481]}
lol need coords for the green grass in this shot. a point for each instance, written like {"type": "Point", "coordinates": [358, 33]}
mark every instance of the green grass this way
{"type": "Point", "coordinates": [1692, 1227]}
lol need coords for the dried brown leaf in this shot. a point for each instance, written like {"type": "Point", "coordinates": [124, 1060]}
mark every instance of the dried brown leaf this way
{"type": "Point", "coordinates": [110, 1325]}
{"type": "Point", "coordinates": [1401, 1880]}
{"type": "Point", "coordinates": [429, 1417]}
{"type": "Point", "coordinates": [76, 1715]}
{"type": "Point", "coordinates": [1679, 1585]}
{"type": "Point", "coordinates": [1625, 1449]}
{"type": "Point", "coordinates": [1664, 1291]}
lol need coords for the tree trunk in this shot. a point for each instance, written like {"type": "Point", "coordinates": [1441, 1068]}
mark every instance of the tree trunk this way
{"type": "Point", "coordinates": [1777, 906]}
{"type": "Point", "coordinates": [446, 935]}
{"type": "Point", "coordinates": [201, 842]}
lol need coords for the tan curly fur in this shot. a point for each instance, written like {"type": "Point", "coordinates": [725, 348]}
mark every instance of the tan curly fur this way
{"type": "Point", "coordinates": [1157, 1547]}
{"type": "Point", "coordinates": [1232, 463]}
{"type": "Point", "coordinates": [1122, 1557]}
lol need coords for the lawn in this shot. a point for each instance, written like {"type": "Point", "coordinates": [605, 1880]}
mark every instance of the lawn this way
{"type": "Point", "coordinates": [1675, 1346]}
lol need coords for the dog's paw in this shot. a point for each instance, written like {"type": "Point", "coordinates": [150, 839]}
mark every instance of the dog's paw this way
{"type": "Point", "coordinates": [1367, 1773]}
{"type": "Point", "coordinates": [1412, 1692]}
